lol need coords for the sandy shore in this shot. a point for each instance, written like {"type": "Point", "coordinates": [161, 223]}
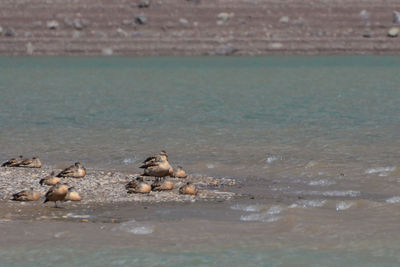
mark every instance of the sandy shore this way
{"type": "Point", "coordinates": [103, 187]}
{"type": "Point", "coordinates": [170, 27]}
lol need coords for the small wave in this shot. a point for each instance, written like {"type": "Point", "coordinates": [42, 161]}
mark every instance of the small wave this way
{"type": "Point", "coordinates": [210, 166]}
{"type": "Point", "coordinates": [323, 182]}
{"type": "Point", "coordinates": [316, 203]}
{"type": "Point", "coordinates": [343, 205]}
{"type": "Point", "coordinates": [393, 200]}
{"type": "Point", "coordinates": [77, 216]}
{"type": "Point", "coordinates": [271, 159]}
{"type": "Point", "coordinates": [381, 171]}
{"type": "Point", "coordinates": [127, 161]}
{"type": "Point", "coordinates": [335, 193]}
{"type": "Point", "coordinates": [134, 227]}
{"type": "Point", "coordinates": [248, 208]}
{"type": "Point", "coordinates": [260, 217]}
{"type": "Point", "coordinates": [274, 210]}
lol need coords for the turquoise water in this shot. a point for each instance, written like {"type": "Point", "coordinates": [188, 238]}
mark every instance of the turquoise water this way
{"type": "Point", "coordinates": [112, 112]}
{"type": "Point", "coordinates": [125, 257]}
{"type": "Point", "coordinates": [324, 129]}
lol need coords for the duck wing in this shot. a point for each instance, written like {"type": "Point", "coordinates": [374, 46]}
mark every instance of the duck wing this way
{"type": "Point", "coordinates": [21, 196]}
{"type": "Point", "coordinates": [67, 172]}
{"type": "Point", "coordinates": [25, 162]}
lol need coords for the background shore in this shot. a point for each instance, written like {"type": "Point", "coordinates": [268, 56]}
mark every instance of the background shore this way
{"type": "Point", "coordinates": [195, 27]}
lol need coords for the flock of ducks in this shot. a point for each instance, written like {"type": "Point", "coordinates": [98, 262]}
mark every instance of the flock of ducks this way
{"type": "Point", "coordinates": [156, 166]}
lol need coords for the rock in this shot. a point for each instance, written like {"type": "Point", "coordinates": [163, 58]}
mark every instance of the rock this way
{"type": "Point", "coordinates": [364, 14]}
{"type": "Point", "coordinates": [107, 51]}
{"type": "Point", "coordinates": [122, 33]}
{"type": "Point", "coordinates": [144, 4]}
{"type": "Point", "coordinates": [275, 45]}
{"type": "Point", "coordinates": [226, 50]}
{"type": "Point", "coordinates": [30, 48]}
{"type": "Point", "coordinates": [52, 24]}
{"type": "Point", "coordinates": [284, 19]}
{"type": "Point", "coordinates": [127, 22]}
{"type": "Point", "coordinates": [9, 32]}
{"type": "Point", "coordinates": [79, 23]}
{"type": "Point", "coordinates": [225, 16]}
{"type": "Point", "coordinates": [393, 32]}
{"type": "Point", "coordinates": [367, 34]}
{"type": "Point", "coordinates": [140, 19]}
{"type": "Point", "coordinates": [183, 21]}
{"type": "Point", "coordinates": [396, 17]}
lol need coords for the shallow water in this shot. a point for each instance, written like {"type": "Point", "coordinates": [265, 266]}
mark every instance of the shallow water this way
{"type": "Point", "coordinates": [313, 139]}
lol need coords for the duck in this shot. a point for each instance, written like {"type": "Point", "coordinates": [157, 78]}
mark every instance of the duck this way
{"type": "Point", "coordinates": [13, 162]}
{"type": "Point", "coordinates": [161, 185]}
{"type": "Point", "coordinates": [26, 195]}
{"type": "Point", "coordinates": [56, 193]}
{"type": "Point", "coordinates": [154, 160]}
{"type": "Point", "coordinates": [162, 169]}
{"type": "Point", "coordinates": [180, 173]}
{"type": "Point", "coordinates": [188, 189]}
{"type": "Point", "coordinates": [76, 171]}
{"type": "Point", "coordinates": [50, 180]}
{"type": "Point", "coordinates": [30, 163]}
{"type": "Point", "coordinates": [73, 195]}
{"type": "Point", "coordinates": [138, 186]}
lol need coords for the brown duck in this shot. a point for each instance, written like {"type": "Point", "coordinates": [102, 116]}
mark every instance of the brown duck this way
{"type": "Point", "coordinates": [13, 162]}
{"type": "Point", "coordinates": [26, 195]}
{"type": "Point", "coordinates": [73, 195]}
{"type": "Point", "coordinates": [56, 193]}
{"type": "Point", "coordinates": [161, 185]}
{"type": "Point", "coordinates": [50, 180]}
{"type": "Point", "coordinates": [153, 160]}
{"type": "Point", "coordinates": [76, 171]}
{"type": "Point", "coordinates": [180, 173]}
{"type": "Point", "coordinates": [188, 189]}
{"type": "Point", "coordinates": [138, 186]}
{"type": "Point", "coordinates": [30, 163]}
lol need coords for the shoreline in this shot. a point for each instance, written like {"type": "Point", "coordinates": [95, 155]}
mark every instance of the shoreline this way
{"type": "Point", "coordinates": [174, 28]}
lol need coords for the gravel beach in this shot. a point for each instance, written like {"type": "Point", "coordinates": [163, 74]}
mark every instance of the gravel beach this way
{"type": "Point", "coordinates": [109, 187]}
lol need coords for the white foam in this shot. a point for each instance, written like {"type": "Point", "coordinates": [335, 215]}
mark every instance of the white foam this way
{"type": "Point", "coordinates": [259, 217]}
{"type": "Point", "coordinates": [393, 200]}
{"type": "Point", "coordinates": [129, 160]}
{"type": "Point", "coordinates": [315, 203]}
{"type": "Point", "coordinates": [248, 208]}
{"type": "Point", "coordinates": [274, 210]}
{"type": "Point", "coordinates": [134, 227]}
{"type": "Point", "coordinates": [210, 166]}
{"type": "Point", "coordinates": [343, 205]}
{"type": "Point", "coordinates": [335, 193]}
{"type": "Point", "coordinates": [382, 171]}
{"type": "Point", "coordinates": [271, 159]}
{"type": "Point", "coordinates": [79, 216]}
{"type": "Point", "coordinates": [346, 193]}
{"type": "Point", "coordinates": [322, 182]}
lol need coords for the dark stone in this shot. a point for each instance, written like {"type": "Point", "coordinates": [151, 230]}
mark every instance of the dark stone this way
{"type": "Point", "coordinates": [9, 32]}
{"type": "Point", "coordinates": [144, 4]}
{"type": "Point", "coordinates": [140, 19]}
